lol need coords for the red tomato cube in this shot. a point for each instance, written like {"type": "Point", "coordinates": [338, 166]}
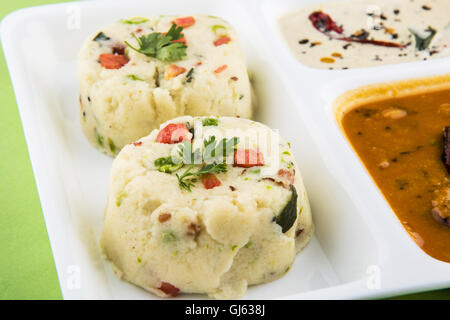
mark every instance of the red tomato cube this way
{"type": "Point", "coordinates": [247, 158]}
{"type": "Point", "coordinates": [210, 181]}
{"type": "Point", "coordinates": [174, 133]}
{"type": "Point", "coordinates": [113, 61]}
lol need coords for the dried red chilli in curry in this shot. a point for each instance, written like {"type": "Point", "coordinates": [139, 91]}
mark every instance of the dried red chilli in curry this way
{"type": "Point", "coordinates": [325, 24]}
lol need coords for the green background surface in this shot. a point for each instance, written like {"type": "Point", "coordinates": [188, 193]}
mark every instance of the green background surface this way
{"type": "Point", "coordinates": [27, 269]}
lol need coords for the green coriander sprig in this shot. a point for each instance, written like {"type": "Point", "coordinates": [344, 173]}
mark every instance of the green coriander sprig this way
{"type": "Point", "coordinates": [161, 46]}
{"type": "Point", "coordinates": [185, 180]}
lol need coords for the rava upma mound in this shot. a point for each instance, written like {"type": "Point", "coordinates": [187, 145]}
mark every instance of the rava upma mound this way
{"type": "Point", "coordinates": [137, 73]}
{"type": "Point", "coordinates": [205, 205]}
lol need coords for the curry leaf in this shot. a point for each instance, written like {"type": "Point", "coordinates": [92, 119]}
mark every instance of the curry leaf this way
{"type": "Point", "coordinates": [288, 216]}
{"type": "Point", "coordinates": [423, 43]}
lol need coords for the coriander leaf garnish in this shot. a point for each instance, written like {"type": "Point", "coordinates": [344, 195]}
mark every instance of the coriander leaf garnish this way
{"type": "Point", "coordinates": [186, 154]}
{"type": "Point", "coordinates": [161, 46]}
{"type": "Point", "coordinates": [217, 151]}
{"type": "Point", "coordinates": [423, 43]}
{"type": "Point", "coordinates": [212, 160]}
{"type": "Point", "coordinates": [185, 180]}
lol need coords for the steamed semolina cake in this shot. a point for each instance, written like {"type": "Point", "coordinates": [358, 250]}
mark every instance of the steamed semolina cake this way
{"type": "Point", "coordinates": [137, 73]}
{"type": "Point", "coordinates": [205, 205]}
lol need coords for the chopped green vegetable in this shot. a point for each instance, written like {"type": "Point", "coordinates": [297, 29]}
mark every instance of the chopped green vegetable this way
{"type": "Point", "coordinates": [99, 138]}
{"type": "Point", "coordinates": [248, 245]}
{"type": "Point", "coordinates": [160, 46]}
{"type": "Point", "coordinates": [166, 164]}
{"type": "Point", "coordinates": [255, 171]}
{"type": "Point", "coordinates": [134, 77]}
{"type": "Point", "coordinates": [233, 247]}
{"type": "Point", "coordinates": [189, 75]}
{"type": "Point", "coordinates": [215, 27]}
{"type": "Point", "coordinates": [210, 122]}
{"type": "Point", "coordinates": [101, 37]}
{"type": "Point", "coordinates": [139, 260]}
{"type": "Point", "coordinates": [112, 146]}
{"type": "Point", "coordinates": [288, 216]}
{"type": "Point", "coordinates": [168, 236]}
{"type": "Point", "coordinates": [120, 198]}
{"type": "Point", "coordinates": [287, 153]}
{"type": "Point", "coordinates": [423, 43]}
{"type": "Point", "coordinates": [136, 20]}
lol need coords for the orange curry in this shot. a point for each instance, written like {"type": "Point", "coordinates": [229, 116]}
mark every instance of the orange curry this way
{"type": "Point", "coordinates": [400, 142]}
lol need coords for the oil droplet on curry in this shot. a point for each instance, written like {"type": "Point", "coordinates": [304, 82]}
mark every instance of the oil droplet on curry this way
{"type": "Point", "coordinates": [400, 141]}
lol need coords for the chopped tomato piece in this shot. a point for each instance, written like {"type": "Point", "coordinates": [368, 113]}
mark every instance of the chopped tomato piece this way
{"type": "Point", "coordinates": [173, 71]}
{"type": "Point", "coordinates": [113, 61]}
{"type": "Point", "coordinates": [220, 69]}
{"type": "Point", "coordinates": [222, 40]}
{"type": "Point", "coordinates": [174, 133]}
{"type": "Point", "coordinates": [137, 143]}
{"type": "Point", "coordinates": [248, 158]}
{"type": "Point", "coordinates": [184, 21]}
{"type": "Point", "coordinates": [169, 289]}
{"type": "Point", "coordinates": [210, 181]}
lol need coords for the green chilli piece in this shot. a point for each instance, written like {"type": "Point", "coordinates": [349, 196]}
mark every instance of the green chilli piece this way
{"type": "Point", "coordinates": [166, 164]}
{"type": "Point", "coordinates": [111, 145]}
{"type": "Point", "coordinates": [210, 122]}
{"type": "Point", "coordinates": [99, 138]}
{"type": "Point", "coordinates": [134, 77]}
{"type": "Point", "coordinates": [215, 27]}
{"type": "Point", "coordinates": [168, 236]}
{"type": "Point", "coordinates": [135, 20]}
{"type": "Point", "coordinates": [120, 198]}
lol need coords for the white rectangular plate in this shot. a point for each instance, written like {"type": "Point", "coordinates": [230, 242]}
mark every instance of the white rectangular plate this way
{"type": "Point", "coordinates": [360, 250]}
